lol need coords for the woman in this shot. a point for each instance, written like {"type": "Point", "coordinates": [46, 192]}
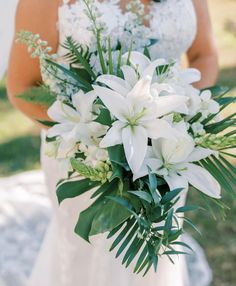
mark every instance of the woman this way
{"type": "Point", "coordinates": [181, 26]}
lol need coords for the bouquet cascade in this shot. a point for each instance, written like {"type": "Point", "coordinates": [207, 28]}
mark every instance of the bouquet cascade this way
{"type": "Point", "coordinates": [137, 133]}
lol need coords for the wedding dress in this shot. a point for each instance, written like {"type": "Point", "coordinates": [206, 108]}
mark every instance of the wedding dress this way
{"type": "Point", "coordinates": [65, 259]}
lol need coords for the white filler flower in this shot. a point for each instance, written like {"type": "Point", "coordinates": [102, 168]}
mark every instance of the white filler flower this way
{"type": "Point", "coordinates": [173, 160]}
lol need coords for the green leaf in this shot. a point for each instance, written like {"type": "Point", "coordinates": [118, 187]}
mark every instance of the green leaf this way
{"type": "Point", "coordinates": [105, 188]}
{"type": "Point", "coordinates": [74, 189]}
{"type": "Point", "coordinates": [118, 72]}
{"type": "Point", "coordinates": [141, 258]}
{"type": "Point", "coordinates": [101, 54]}
{"type": "Point", "coordinates": [80, 82]}
{"type": "Point", "coordinates": [169, 221]}
{"type": "Point", "coordinates": [115, 230]}
{"type": "Point", "coordinates": [124, 203]}
{"type": "Point", "coordinates": [117, 155]}
{"type": "Point", "coordinates": [47, 123]}
{"type": "Point", "coordinates": [169, 196]}
{"type": "Point", "coordinates": [133, 251]}
{"type": "Point", "coordinates": [109, 216]}
{"type": "Point", "coordinates": [187, 209]}
{"type": "Point", "coordinates": [38, 95]}
{"type": "Point", "coordinates": [123, 233]}
{"type": "Point", "coordinates": [218, 91]}
{"type": "Point", "coordinates": [104, 117]}
{"type": "Point", "coordinates": [147, 53]}
{"type": "Point", "coordinates": [219, 174]}
{"type": "Point", "coordinates": [84, 224]}
{"type": "Point", "coordinates": [182, 244]}
{"type": "Point", "coordinates": [142, 195]}
{"type": "Point", "coordinates": [73, 48]}
{"type": "Point", "coordinates": [110, 60]}
{"type": "Point", "coordinates": [130, 236]}
{"type": "Point", "coordinates": [189, 222]}
{"type": "Point", "coordinates": [174, 252]}
{"type": "Point", "coordinates": [153, 186]}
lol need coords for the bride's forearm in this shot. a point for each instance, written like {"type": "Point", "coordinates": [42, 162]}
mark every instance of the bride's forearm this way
{"type": "Point", "coordinates": [33, 111]}
{"type": "Point", "coordinates": [208, 66]}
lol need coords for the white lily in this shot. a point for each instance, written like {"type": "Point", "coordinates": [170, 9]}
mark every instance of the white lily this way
{"type": "Point", "coordinates": [75, 124]}
{"type": "Point", "coordinates": [137, 113]}
{"type": "Point", "coordinates": [174, 161]}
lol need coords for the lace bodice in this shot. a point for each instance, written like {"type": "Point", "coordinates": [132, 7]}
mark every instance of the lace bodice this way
{"type": "Point", "coordinates": [172, 24]}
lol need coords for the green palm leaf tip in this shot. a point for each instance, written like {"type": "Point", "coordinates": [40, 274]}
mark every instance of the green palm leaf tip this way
{"type": "Point", "coordinates": [101, 173]}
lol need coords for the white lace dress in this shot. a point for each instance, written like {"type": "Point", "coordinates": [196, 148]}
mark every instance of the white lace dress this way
{"type": "Point", "coordinates": [65, 259]}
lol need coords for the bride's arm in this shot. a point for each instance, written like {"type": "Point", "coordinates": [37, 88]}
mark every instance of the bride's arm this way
{"type": "Point", "coordinates": [23, 71]}
{"type": "Point", "coordinates": [203, 53]}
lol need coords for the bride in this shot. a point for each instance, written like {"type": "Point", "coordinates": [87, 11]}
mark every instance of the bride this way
{"type": "Point", "coordinates": [181, 27]}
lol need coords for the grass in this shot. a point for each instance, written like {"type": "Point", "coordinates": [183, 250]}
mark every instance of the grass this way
{"type": "Point", "coordinates": [19, 139]}
{"type": "Point", "coordinates": [19, 150]}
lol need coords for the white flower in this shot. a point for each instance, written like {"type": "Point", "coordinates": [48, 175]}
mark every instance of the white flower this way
{"type": "Point", "coordinates": [51, 148]}
{"type": "Point", "coordinates": [75, 124]}
{"type": "Point", "coordinates": [173, 159]}
{"type": "Point", "coordinates": [208, 105]}
{"type": "Point", "coordinates": [198, 129]}
{"type": "Point", "coordinates": [94, 155]}
{"type": "Point", "coordinates": [131, 103]}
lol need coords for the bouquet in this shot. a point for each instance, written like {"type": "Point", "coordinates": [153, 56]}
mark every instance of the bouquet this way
{"type": "Point", "coordinates": [137, 133]}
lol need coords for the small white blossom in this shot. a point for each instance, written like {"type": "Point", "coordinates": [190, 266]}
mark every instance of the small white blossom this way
{"type": "Point", "coordinates": [208, 105]}
{"type": "Point", "coordinates": [198, 129]}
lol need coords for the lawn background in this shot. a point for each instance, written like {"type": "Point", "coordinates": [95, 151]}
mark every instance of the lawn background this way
{"type": "Point", "coordinates": [20, 143]}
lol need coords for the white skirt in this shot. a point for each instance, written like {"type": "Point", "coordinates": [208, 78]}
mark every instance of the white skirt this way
{"type": "Point", "coordinates": [66, 259]}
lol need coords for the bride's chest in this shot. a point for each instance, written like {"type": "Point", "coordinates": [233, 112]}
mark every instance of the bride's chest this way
{"type": "Point", "coordinates": [172, 24]}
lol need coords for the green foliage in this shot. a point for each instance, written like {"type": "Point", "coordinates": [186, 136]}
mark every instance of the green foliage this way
{"type": "Point", "coordinates": [101, 173]}
{"type": "Point", "coordinates": [77, 55]}
{"type": "Point", "coordinates": [72, 189]}
{"type": "Point", "coordinates": [38, 95]}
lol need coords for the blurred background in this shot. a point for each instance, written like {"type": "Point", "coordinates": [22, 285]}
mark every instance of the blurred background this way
{"type": "Point", "coordinates": [20, 143]}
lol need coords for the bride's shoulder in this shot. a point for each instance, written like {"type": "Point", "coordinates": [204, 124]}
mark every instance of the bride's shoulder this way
{"type": "Point", "coordinates": [39, 17]}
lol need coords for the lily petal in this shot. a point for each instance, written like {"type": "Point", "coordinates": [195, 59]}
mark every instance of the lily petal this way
{"type": "Point", "coordinates": [175, 181]}
{"type": "Point", "coordinates": [138, 60]}
{"type": "Point", "coordinates": [135, 142]}
{"type": "Point", "coordinates": [113, 101]}
{"type": "Point", "coordinates": [202, 180]}
{"type": "Point", "coordinates": [141, 89]}
{"type": "Point", "coordinates": [113, 136]}
{"type": "Point", "coordinates": [61, 112]}
{"type": "Point", "coordinates": [171, 103]}
{"type": "Point", "coordinates": [199, 153]}
{"type": "Point", "coordinates": [149, 70]}
{"type": "Point", "coordinates": [159, 128]}
{"type": "Point", "coordinates": [60, 129]}
{"type": "Point", "coordinates": [152, 163]}
{"type": "Point", "coordinates": [116, 83]}
{"type": "Point", "coordinates": [130, 75]}
{"type": "Point", "coordinates": [83, 103]}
